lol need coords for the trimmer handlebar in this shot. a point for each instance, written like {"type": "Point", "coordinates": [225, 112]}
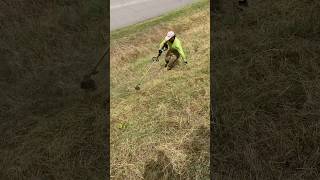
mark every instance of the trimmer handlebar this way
{"type": "Point", "coordinates": [156, 58]}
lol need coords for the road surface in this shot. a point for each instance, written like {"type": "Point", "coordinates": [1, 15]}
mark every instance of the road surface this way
{"type": "Point", "coordinates": [128, 12]}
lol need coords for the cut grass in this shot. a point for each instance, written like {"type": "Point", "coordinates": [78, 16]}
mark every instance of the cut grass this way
{"type": "Point", "coordinates": [166, 123]}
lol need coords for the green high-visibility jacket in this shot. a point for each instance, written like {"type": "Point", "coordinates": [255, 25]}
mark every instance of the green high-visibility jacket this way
{"type": "Point", "coordinates": [175, 45]}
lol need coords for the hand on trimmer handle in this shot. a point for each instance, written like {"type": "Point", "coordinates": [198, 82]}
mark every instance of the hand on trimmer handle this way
{"type": "Point", "coordinates": [156, 58]}
{"type": "Point", "coordinates": [160, 52]}
{"type": "Point", "coordinates": [164, 47]}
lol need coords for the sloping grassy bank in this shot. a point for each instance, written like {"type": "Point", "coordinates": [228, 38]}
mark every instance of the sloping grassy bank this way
{"type": "Point", "coordinates": [161, 131]}
{"type": "Point", "coordinates": [267, 72]}
{"type": "Point", "coordinates": [49, 127]}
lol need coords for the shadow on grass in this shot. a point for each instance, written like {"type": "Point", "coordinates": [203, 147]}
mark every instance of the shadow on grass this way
{"type": "Point", "coordinates": [161, 169]}
{"type": "Point", "coordinates": [194, 146]}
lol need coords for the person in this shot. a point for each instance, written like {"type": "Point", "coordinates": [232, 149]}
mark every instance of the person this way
{"type": "Point", "coordinates": [175, 50]}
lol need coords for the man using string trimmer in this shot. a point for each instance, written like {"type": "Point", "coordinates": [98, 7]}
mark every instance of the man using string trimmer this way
{"type": "Point", "coordinates": [172, 43]}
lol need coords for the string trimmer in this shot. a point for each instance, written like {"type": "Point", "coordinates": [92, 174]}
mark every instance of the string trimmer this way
{"type": "Point", "coordinates": [154, 59]}
{"type": "Point", "coordinates": [87, 82]}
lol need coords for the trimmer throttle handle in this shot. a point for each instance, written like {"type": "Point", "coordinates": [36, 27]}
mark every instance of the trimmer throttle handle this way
{"type": "Point", "coordinates": [155, 58]}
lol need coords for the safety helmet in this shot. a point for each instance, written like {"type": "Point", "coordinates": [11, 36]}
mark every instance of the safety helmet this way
{"type": "Point", "coordinates": [170, 34]}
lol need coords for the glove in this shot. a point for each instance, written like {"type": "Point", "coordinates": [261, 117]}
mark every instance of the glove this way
{"type": "Point", "coordinates": [160, 51]}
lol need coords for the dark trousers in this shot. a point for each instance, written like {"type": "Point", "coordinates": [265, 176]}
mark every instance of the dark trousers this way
{"type": "Point", "coordinates": [171, 58]}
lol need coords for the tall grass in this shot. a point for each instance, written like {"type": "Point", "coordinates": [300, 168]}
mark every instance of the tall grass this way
{"type": "Point", "coordinates": [161, 131]}
{"type": "Point", "coordinates": [267, 68]}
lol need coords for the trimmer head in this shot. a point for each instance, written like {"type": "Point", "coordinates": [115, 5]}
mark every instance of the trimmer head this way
{"type": "Point", "coordinates": [137, 87]}
{"type": "Point", "coordinates": [88, 84]}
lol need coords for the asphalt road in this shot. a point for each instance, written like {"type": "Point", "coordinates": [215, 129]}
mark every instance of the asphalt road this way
{"type": "Point", "coordinates": [128, 12]}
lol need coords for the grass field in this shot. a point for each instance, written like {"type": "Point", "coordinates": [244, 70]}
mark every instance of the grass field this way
{"type": "Point", "coordinates": [49, 128]}
{"type": "Point", "coordinates": [161, 131]}
{"type": "Point", "coordinates": [267, 73]}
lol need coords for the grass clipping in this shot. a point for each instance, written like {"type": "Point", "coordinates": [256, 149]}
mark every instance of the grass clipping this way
{"type": "Point", "coordinates": [161, 131]}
